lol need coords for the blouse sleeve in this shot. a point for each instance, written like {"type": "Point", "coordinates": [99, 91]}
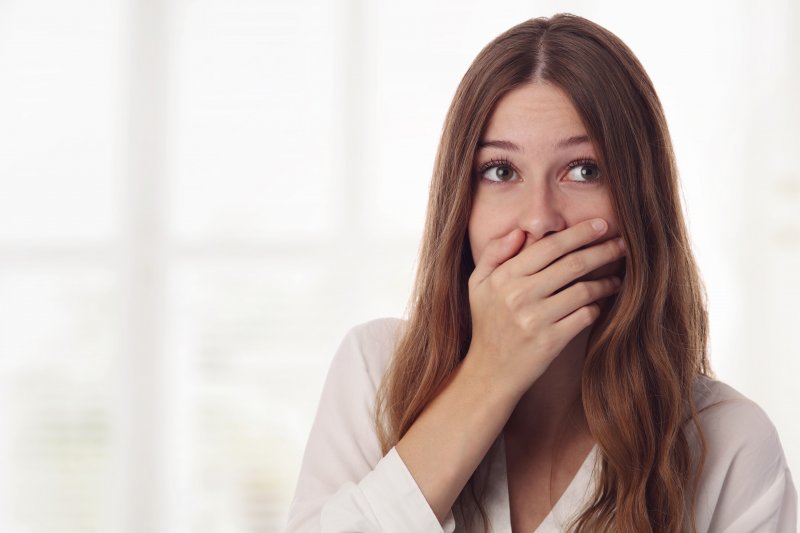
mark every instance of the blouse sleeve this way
{"type": "Point", "coordinates": [747, 486]}
{"type": "Point", "coordinates": [345, 484]}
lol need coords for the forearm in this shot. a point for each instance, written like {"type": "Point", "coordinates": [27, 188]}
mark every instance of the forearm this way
{"type": "Point", "coordinates": [449, 439]}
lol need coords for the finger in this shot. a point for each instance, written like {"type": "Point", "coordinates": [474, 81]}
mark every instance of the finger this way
{"type": "Point", "coordinates": [575, 322]}
{"type": "Point", "coordinates": [583, 293]}
{"type": "Point", "coordinates": [576, 264]}
{"type": "Point", "coordinates": [546, 250]}
{"type": "Point", "coordinates": [496, 253]}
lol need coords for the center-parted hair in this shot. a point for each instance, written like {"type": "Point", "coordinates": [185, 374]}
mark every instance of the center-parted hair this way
{"type": "Point", "coordinates": [644, 356]}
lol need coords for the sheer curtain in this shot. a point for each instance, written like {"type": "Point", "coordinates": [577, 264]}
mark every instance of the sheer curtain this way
{"type": "Point", "coordinates": [199, 197]}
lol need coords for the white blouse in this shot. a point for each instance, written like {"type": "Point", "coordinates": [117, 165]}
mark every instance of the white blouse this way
{"type": "Point", "coordinates": [347, 485]}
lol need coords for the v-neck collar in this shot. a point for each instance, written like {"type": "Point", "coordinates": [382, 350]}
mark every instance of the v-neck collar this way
{"type": "Point", "coordinates": [571, 501]}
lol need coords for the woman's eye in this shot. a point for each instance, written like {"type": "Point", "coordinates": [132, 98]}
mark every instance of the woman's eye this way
{"type": "Point", "coordinates": [584, 172]}
{"type": "Point", "coordinates": [499, 173]}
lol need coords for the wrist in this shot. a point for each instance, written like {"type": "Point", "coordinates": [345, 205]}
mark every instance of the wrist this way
{"type": "Point", "coordinates": [488, 383]}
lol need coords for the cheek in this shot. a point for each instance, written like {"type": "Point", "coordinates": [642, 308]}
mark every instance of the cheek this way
{"type": "Point", "coordinates": [599, 207]}
{"type": "Point", "coordinates": [485, 224]}
{"type": "Point", "coordinates": [476, 237]}
{"type": "Point", "coordinates": [610, 217]}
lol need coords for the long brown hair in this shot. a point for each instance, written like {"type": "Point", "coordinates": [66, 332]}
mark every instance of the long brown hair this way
{"type": "Point", "coordinates": [640, 366]}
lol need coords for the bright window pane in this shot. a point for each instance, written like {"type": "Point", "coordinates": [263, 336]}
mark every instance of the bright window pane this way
{"type": "Point", "coordinates": [253, 103]}
{"type": "Point", "coordinates": [238, 327]}
{"type": "Point", "coordinates": [56, 405]}
{"type": "Point", "coordinates": [59, 88]}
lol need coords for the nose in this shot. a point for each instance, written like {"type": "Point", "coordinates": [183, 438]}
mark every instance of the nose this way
{"type": "Point", "coordinates": [540, 214]}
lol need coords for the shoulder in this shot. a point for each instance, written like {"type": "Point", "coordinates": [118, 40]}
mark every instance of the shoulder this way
{"type": "Point", "coordinates": [343, 448]}
{"type": "Point", "coordinates": [368, 347]}
{"type": "Point", "coordinates": [730, 419]}
{"type": "Point", "coordinates": [745, 479]}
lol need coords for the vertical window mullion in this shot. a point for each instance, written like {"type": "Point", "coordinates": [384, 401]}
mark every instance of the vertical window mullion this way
{"type": "Point", "coordinates": [143, 388]}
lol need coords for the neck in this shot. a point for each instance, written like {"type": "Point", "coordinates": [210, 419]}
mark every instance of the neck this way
{"type": "Point", "coordinates": [554, 398]}
{"type": "Point", "coordinates": [552, 409]}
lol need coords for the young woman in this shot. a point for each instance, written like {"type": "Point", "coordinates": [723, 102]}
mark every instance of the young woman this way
{"type": "Point", "coordinates": [552, 374]}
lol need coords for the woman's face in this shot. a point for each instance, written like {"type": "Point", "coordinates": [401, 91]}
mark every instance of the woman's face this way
{"type": "Point", "coordinates": [537, 171]}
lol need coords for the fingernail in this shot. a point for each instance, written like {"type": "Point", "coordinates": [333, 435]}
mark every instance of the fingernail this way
{"type": "Point", "coordinates": [616, 281]}
{"type": "Point", "coordinates": [621, 243]}
{"type": "Point", "coordinates": [599, 224]}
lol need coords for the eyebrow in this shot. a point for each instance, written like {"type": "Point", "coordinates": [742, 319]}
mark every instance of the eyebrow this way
{"type": "Point", "coordinates": [511, 147]}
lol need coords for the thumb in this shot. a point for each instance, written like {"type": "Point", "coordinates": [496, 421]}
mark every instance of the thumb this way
{"type": "Point", "coordinates": [497, 252]}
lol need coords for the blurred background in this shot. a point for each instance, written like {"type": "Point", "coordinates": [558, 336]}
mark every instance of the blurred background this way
{"type": "Point", "coordinates": [198, 198]}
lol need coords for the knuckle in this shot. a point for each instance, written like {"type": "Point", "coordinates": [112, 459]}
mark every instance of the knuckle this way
{"type": "Point", "coordinates": [530, 322]}
{"type": "Point", "coordinates": [589, 313]}
{"type": "Point", "coordinates": [575, 264]}
{"type": "Point", "coordinates": [512, 299]}
{"type": "Point", "coordinates": [585, 290]}
{"type": "Point", "coordinates": [495, 282]}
